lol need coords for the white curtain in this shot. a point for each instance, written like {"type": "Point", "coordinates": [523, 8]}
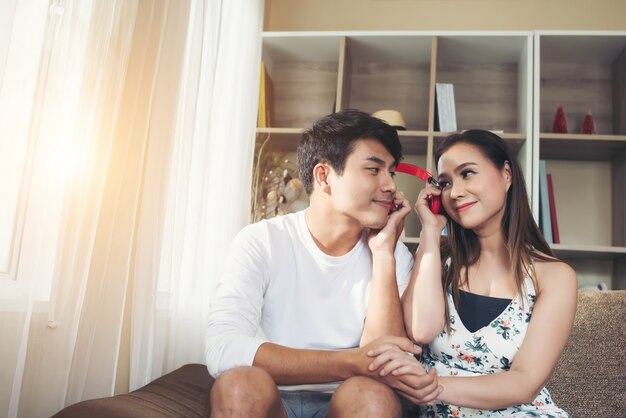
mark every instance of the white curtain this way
{"type": "Point", "coordinates": [140, 138]}
{"type": "Point", "coordinates": [208, 198]}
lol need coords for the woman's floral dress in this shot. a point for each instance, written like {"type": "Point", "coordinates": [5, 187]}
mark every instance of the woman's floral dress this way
{"type": "Point", "coordinates": [489, 350]}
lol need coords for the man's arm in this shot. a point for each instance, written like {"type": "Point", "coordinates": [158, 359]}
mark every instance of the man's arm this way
{"type": "Point", "coordinates": [235, 311]}
{"type": "Point", "coordinates": [384, 310]}
{"type": "Point", "coordinates": [289, 366]}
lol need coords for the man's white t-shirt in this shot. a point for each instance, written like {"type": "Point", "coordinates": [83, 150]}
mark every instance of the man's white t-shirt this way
{"type": "Point", "coordinates": [277, 278]}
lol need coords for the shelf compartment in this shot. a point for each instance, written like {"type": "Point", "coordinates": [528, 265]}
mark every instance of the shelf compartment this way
{"type": "Point", "coordinates": [580, 147]}
{"type": "Point", "coordinates": [389, 72]}
{"type": "Point", "coordinates": [582, 193]}
{"type": "Point", "coordinates": [595, 264]}
{"type": "Point", "coordinates": [303, 72]}
{"type": "Point", "coordinates": [583, 73]}
{"type": "Point", "coordinates": [286, 139]}
{"type": "Point", "coordinates": [491, 78]}
{"type": "Point", "coordinates": [413, 142]}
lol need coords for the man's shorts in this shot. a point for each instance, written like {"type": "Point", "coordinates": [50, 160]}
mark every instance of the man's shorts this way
{"type": "Point", "coordinates": [305, 404]}
{"type": "Point", "coordinates": [308, 404]}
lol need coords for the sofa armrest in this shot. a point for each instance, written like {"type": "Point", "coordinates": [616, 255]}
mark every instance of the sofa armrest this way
{"type": "Point", "coordinates": [181, 393]}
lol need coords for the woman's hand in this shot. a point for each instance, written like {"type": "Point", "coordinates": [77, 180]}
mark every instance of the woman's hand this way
{"type": "Point", "coordinates": [390, 359]}
{"type": "Point", "coordinates": [402, 371]}
{"type": "Point", "coordinates": [428, 219]}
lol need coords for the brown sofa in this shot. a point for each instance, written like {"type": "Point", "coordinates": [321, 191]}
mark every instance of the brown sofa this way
{"type": "Point", "coordinates": [590, 380]}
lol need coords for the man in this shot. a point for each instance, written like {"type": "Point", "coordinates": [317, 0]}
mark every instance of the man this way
{"type": "Point", "coordinates": [324, 285]}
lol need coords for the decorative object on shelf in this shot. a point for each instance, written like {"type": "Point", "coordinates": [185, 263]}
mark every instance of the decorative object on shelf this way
{"type": "Point", "coordinates": [392, 117]}
{"type": "Point", "coordinates": [589, 125]}
{"type": "Point", "coordinates": [445, 112]}
{"type": "Point", "coordinates": [278, 190]}
{"type": "Point", "coordinates": [559, 125]}
{"type": "Point", "coordinates": [264, 119]}
{"type": "Point", "coordinates": [294, 198]}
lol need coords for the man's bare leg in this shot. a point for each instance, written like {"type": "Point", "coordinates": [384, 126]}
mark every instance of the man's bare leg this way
{"type": "Point", "coordinates": [246, 392]}
{"type": "Point", "coordinates": [365, 398]}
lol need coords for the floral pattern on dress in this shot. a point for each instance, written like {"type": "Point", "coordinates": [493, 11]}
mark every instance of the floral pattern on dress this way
{"type": "Point", "coordinates": [489, 350]}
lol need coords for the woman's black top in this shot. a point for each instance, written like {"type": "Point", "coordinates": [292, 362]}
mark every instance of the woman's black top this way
{"type": "Point", "coordinates": [477, 311]}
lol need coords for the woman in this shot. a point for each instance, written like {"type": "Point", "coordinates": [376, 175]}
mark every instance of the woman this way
{"type": "Point", "coordinates": [491, 301]}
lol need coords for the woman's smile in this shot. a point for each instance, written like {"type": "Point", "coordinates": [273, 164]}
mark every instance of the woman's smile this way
{"type": "Point", "coordinates": [464, 206]}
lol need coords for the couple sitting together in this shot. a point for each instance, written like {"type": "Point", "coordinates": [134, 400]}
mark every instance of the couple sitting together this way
{"type": "Point", "coordinates": [354, 325]}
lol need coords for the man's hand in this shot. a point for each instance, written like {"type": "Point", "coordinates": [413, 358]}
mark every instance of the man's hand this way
{"type": "Point", "coordinates": [385, 239]}
{"type": "Point", "coordinates": [394, 363]}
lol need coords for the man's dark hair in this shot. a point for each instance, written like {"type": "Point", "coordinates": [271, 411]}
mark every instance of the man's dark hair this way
{"type": "Point", "coordinates": [331, 139]}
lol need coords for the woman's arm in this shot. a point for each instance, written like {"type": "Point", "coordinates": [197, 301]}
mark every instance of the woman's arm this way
{"type": "Point", "coordinates": [423, 302]}
{"type": "Point", "coordinates": [545, 340]}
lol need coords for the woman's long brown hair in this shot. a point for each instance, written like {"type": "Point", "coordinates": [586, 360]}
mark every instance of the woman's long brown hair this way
{"type": "Point", "coordinates": [522, 236]}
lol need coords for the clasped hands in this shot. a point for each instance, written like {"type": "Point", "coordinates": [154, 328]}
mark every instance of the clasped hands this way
{"type": "Point", "coordinates": [392, 361]}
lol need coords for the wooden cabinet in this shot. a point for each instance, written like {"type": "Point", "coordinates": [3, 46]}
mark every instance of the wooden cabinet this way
{"type": "Point", "coordinates": [585, 71]}
{"type": "Point", "coordinates": [505, 81]}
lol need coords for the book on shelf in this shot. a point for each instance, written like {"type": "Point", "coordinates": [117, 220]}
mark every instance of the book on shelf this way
{"type": "Point", "coordinates": [264, 119]}
{"type": "Point", "coordinates": [551, 200]}
{"type": "Point", "coordinates": [545, 223]}
{"type": "Point", "coordinates": [445, 113]}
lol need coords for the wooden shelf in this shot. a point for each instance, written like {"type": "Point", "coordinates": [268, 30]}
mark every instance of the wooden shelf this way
{"type": "Point", "coordinates": [280, 131]}
{"type": "Point", "coordinates": [286, 139]}
{"type": "Point", "coordinates": [514, 140]}
{"type": "Point", "coordinates": [414, 142]}
{"type": "Point", "coordinates": [505, 135]}
{"type": "Point", "coordinates": [411, 240]}
{"type": "Point", "coordinates": [580, 146]}
{"type": "Point", "coordinates": [588, 251]}
{"type": "Point", "coordinates": [280, 139]}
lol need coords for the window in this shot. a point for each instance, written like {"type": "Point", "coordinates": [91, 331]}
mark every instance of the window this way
{"type": "Point", "coordinates": [31, 186]}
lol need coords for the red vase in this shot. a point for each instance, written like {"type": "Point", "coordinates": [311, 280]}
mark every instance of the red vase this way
{"type": "Point", "coordinates": [559, 126]}
{"type": "Point", "coordinates": [588, 126]}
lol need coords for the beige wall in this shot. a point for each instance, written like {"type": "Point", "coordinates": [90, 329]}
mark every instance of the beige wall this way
{"type": "Point", "coordinates": [323, 15]}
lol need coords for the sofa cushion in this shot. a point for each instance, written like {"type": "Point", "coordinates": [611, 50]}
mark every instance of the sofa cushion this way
{"type": "Point", "coordinates": [181, 393]}
{"type": "Point", "coordinates": [590, 377]}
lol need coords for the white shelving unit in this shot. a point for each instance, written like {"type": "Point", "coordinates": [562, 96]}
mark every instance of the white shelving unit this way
{"type": "Point", "coordinates": [313, 74]}
{"type": "Point", "coordinates": [584, 71]}
{"type": "Point", "coordinates": [509, 81]}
